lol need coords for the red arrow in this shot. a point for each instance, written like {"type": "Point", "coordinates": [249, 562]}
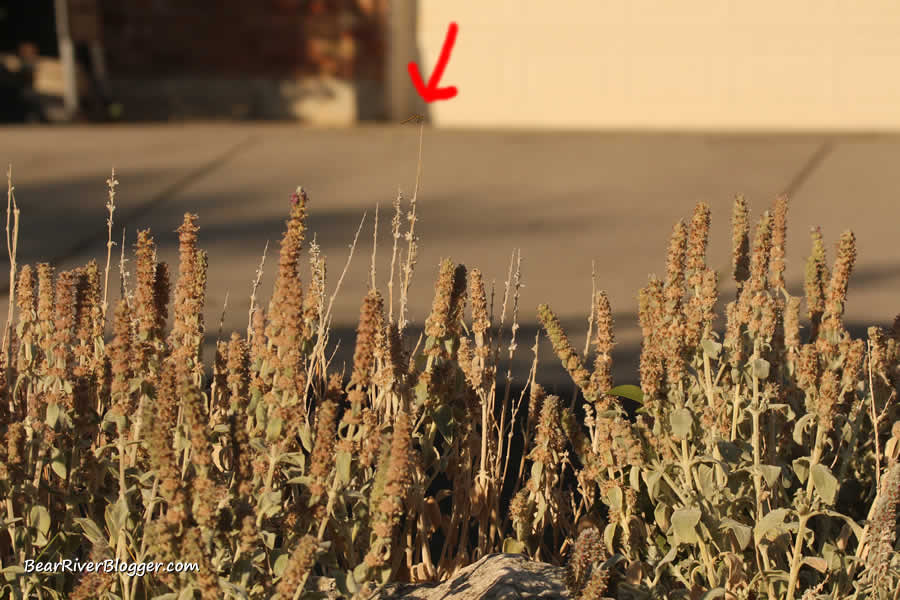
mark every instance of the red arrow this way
{"type": "Point", "coordinates": [432, 92]}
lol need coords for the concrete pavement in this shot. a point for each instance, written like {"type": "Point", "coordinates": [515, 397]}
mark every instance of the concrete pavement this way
{"type": "Point", "coordinates": [563, 198]}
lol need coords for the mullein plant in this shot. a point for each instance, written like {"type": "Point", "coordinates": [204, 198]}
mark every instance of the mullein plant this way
{"type": "Point", "coordinates": [766, 459]}
{"type": "Point", "coordinates": [757, 458]}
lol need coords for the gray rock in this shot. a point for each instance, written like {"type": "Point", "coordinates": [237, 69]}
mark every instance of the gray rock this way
{"type": "Point", "coordinates": [494, 577]}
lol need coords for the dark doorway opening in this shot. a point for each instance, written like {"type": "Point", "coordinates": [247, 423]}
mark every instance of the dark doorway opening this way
{"type": "Point", "coordinates": [31, 21]}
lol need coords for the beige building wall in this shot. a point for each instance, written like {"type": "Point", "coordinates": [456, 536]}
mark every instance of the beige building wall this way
{"type": "Point", "coordinates": [662, 64]}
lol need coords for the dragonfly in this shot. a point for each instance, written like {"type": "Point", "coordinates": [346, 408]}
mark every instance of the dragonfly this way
{"type": "Point", "coordinates": [415, 118]}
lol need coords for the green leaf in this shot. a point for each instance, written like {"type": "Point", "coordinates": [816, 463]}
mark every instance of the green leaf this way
{"type": "Point", "coordinates": [682, 421]}
{"type": "Point", "coordinates": [115, 517]}
{"type": "Point", "coordinates": [280, 564]}
{"type": "Point", "coordinates": [443, 418]}
{"type": "Point", "coordinates": [684, 524]}
{"type": "Point", "coordinates": [58, 463]}
{"type": "Point", "coordinates": [421, 390]}
{"type": "Point", "coordinates": [706, 478]}
{"type": "Point", "coordinates": [770, 473]}
{"type": "Point", "coordinates": [825, 483]}
{"type": "Point", "coordinates": [801, 468]}
{"type": "Point", "coordinates": [343, 467]}
{"type": "Point", "coordinates": [801, 424]}
{"type": "Point", "coordinates": [40, 520]}
{"type": "Point", "coordinates": [268, 539]}
{"type": "Point", "coordinates": [714, 593]}
{"type": "Point", "coordinates": [614, 495]}
{"type": "Point", "coordinates": [361, 573]}
{"type": "Point", "coordinates": [513, 546]}
{"type": "Point", "coordinates": [652, 479]}
{"type": "Point", "coordinates": [634, 478]}
{"type": "Point", "coordinates": [632, 392]}
{"type": "Point", "coordinates": [743, 533]}
{"type": "Point", "coordinates": [661, 512]}
{"type": "Point", "coordinates": [772, 521]}
{"type": "Point", "coordinates": [11, 572]}
{"type": "Point", "coordinates": [306, 437]}
{"type": "Point", "coordinates": [52, 414]}
{"type": "Point", "coordinates": [609, 537]}
{"type": "Point", "coordinates": [273, 429]}
{"type": "Point", "coordinates": [711, 348]}
{"type": "Point", "coordinates": [760, 368]}
{"type": "Point", "coordinates": [537, 469]}
{"type": "Point", "coordinates": [91, 530]}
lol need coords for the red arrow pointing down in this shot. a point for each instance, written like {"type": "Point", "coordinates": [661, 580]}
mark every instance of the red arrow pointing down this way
{"type": "Point", "coordinates": [432, 92]}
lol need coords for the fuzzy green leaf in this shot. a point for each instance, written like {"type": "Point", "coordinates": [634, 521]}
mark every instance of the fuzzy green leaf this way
{"type": "Point", "coordinates": [343, 466]}
{"type": "Point", "coordinates": [443, 418]}
{"type": "Point", "coordinates": [661, 512]}
{"type": "Point", "coordinates": [513, 546]}
{"type": "Point", "coordinates": [361, 573]}
{"type": "Point", "coordinates": [609, 537]}
{"type": "Point", "coordinates": [280, 564]}
{"type": "Point", "coordinates": [711, 348]}
{"type": "Point", "coordinates": [801, 424]}
{"type": "Point", "coordinates": [770, 473]}
{"type": "Point", "coordinates": [743, 533]}
{"type": "Point", "coordinates": [91, 530]}
{"type": "Point", "coordinates": [632, 392]}
{"type": "Point", "coordinates": [771, 522]}
{"type": "Point", "coordinates": [614, 495]}
{"type": "Point", "coordinates": [634, 478]}
{"type": "Point", "coordinates": [421, 390]}
{"type": "Point", "coordinates": [682, 421]}
{"type": "Point", "coordinates": [537, 469]}
{"type": "Point", "coordinates": [684, 524]}
{"type": "Point", "coordinates": [58, 463]}
{"type": "Point", "coordinates": [52, 414]}
{"type": "Point", "coordinates": [40, 520]}
{"type": "Point", "coordinates": [801, 468]}
{"type": "Point", "coordinates": [825, 483]}
{"type": "Point", "coordinates": [760, 368]}
{"type": "Point", "coordinates": [714, 593]}
{"type": "Point", "coordinates": [305, 437]}
{"type": "Point", "coordinates": [116, 516]}
{"type": "Point", "coordinates": [273, 429]}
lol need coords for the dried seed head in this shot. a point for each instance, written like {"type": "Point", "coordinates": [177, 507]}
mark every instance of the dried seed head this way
{"type": "Point", "coordinates": [697, 241]}
{"type": "Point", "coordinates": [25, 298]}
{"type": "Point", "coordinates": [322, 459]}
{"type": "Point", "coordinates": [480, 320]}
{"type": "Point", "coordinates": [759, 259]}
{"type": "Point", "coordinates": [808, 368]}
{"type": "Point", "coordinates": [144, 295]}
{"type": "Point", "coordinates": [816, 278]}
{"type": "Point", "coordinates": [840, 279]}
{"type": "Point", "coordinates": [604, 340]}
{"type": "Point", "coordinates": [792, 324]}
{"type": "Point", "coordinates": [563, 347]}
{"type": "Point", "coordinates": [854, 356]}
{"type": "Point", "coordinates": [299, 566]}
{"type": "Point", "coordinates": [740, 241]}
{"type": "Point", "coordinates": [161, 293]}
{"type": "Point", "coordinates": [733, 339]}
{"type": "Point", "coordinates": [370, 317]}
{"type": "Point", "coordinates": [828, 399]}
{"type": "Point", "coordinates": [650, 313]}
{"type": "Point", "coordinates": [449, 302]}
{"type": "Point", "coordinates": [779, 239]}
{"type": "Point", "coordinates": [674, 288]}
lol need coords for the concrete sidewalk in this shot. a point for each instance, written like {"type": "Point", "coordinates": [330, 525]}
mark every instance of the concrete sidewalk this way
{"type": "Point", "coordinates": [564, 199]}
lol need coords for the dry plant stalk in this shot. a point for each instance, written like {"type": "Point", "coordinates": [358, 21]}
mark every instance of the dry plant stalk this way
{"type": "Point", "coordinates": [734, 470]}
